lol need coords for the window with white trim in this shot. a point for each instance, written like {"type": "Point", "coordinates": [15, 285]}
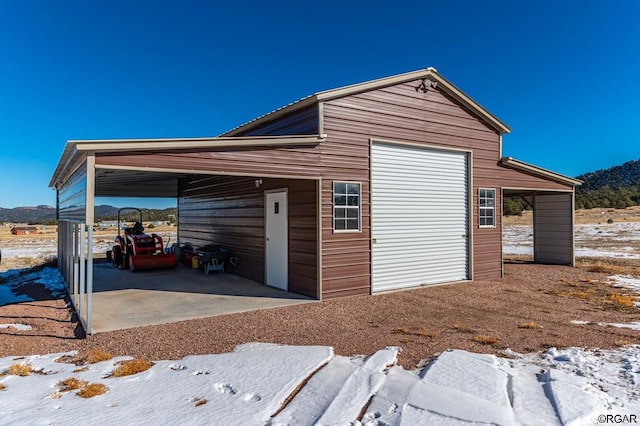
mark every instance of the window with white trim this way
{"type": "Point", "coordinates": [346, 206]}
{"type": "Point", "coordinates": [486, 207]}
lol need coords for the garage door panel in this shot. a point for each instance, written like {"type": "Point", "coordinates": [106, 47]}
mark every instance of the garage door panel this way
{"type": "Point", "coordinates": [419, 202]}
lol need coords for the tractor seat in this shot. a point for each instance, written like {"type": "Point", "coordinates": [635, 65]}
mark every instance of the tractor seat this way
{"type": "Point", "coordinates": [137, 229]}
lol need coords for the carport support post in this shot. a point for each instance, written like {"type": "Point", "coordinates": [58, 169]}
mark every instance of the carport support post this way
{"type": "Point", "coordinates": [90, 219]}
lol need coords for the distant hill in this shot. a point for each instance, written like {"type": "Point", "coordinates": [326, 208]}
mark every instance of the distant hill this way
{"type": "Point", "coordinates": [615, 187]}
{"type": "Point", "coordinates": [627, 174]}
{"type": "Point", "coordinates": [37, 214]}
{"type": "Point", "coordinates": [47, 214]}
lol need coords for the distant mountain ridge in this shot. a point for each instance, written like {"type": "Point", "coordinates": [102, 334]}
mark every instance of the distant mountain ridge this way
{"type": "Point", "coordinates": [615, 187]}
{"type": "Point", "coordinates": [627, 174]}
{"type": "Point", "coordinates": [44, 214]}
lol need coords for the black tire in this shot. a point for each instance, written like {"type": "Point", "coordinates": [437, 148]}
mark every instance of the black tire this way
{"type": "Point", "coordinates": [116, 254]}
{"type": "Point", "coordinates": [126, 262]}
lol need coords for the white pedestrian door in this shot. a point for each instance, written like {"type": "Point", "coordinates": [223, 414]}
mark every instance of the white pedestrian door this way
{"type": "Point", "coordinates": [419, 216]}
{"type": "Point", "coordinates": [277, 238]}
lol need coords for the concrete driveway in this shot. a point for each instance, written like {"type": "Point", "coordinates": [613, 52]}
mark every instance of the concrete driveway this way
{"type": "Point", "coordinates": [123, 299]}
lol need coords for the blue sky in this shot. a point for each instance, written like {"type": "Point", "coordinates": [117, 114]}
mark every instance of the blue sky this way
{"type": "Point", "coordinates": [563, 75]}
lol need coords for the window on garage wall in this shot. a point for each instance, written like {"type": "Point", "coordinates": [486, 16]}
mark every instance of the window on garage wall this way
{"type": "Point", "coordinates": [487, 207]}
{"type": "Point", "coordinates": [346, 206]}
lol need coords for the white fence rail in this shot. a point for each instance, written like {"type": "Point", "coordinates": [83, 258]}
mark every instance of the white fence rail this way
{"type": "Point", "coordinates": [75, 260]}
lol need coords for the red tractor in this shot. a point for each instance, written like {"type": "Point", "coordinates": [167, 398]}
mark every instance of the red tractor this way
{"type": "Point", "coordinates": [136, 250]}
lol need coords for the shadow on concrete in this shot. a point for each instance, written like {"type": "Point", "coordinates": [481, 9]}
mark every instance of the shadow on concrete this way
{"type": "Point", "coordinates": [124, 299]}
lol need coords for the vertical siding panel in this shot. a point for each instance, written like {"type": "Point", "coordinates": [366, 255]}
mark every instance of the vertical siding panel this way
{"type": "Point", "coordinates": [229, 211]}
{"type": "Point", "coordinates": [301, 122]}
{"type": "Point", "coordinates": [553, 228]}
{"type": "Point", "coordinates": [398, 113]}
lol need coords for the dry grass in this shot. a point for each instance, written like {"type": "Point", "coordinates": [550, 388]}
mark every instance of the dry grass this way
{"type": "Point", "coordinates": [529, 325]}
{"type": "Point", "coordinates": [131, 367]}
{"type": "Point", "coordinates": [621, 300]}
{"type": "Point", "coordinates": [91, 390]}
{"type": "Point", "coordinates": [462, 328]}
{"type": "Point", "coordinates": [198, 401]}
{"type": "Point", "coordinates": [2, 387]}
{"type": "Point", "coordinates": [486, 339]}
{"type": "Point", "coordinates": [17, 369]}
{"type": "Point", "coordinates": [71, 383]}
{"type": "Point", "coordinates": [578, 294]}
{"type": "Point", "coordinates": [96, 355]}
{"type": "Point", "coordinates": [611, 266]}
{"type": "Point", "coordinates": [415, 331]}
{"type": "Point", "coordinates": [622, 342]}
{"type": "Point", "coordinates": [606, 268]}
{"type": "Point", "coordinates": [591, 290]}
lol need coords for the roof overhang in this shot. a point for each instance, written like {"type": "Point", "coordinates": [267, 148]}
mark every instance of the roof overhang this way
{"type": "Point", "coordinates": [76, 151]}
{"type": "Point", "coordinates": [512, 163]}
{"type": "Point", "coordinates": [428, 73]}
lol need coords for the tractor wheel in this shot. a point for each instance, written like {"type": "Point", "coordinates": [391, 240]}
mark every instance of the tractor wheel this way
{"type": "Point", "coordinates": [127, 257]}
{"type": "Point", "coordinates": [117, 256]}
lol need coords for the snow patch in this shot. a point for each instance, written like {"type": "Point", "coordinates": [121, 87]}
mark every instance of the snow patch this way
{"type": "Point", "coordinates": [20, 327]}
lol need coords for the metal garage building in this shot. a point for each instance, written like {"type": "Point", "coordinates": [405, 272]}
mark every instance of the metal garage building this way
{"type": "Point", "coordinates": [387, 184]}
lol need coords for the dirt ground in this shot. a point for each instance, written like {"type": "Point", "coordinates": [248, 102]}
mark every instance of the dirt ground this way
{"type": "Point", "coordinates": [531, 309]}
{"type": "Point", "coordinates": [46, 241]}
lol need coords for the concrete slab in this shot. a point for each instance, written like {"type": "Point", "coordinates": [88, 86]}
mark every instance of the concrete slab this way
{"type": "Point", "coordinates": [123, 299]}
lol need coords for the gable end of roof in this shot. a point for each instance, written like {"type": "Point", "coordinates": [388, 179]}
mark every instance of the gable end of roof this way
{"type": "Point", "coordinates": [327, 95]}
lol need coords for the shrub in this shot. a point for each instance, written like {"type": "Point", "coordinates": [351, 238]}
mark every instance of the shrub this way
{"type": "Point", "coordinates": [620, 300]}
{"type": "Point", "coordinates": [96, 355]}
{"type": "Point", "coordinates": [486, 339]}
{"type": "Point", "coordinates": [71, 383]}
{"type": "Point", "coordinates": [462, 328]}
{"type": "Point", "coordinates": [18, 369]}
{"type": "Point", "coordinates": [609, 221]}
{"type": "Point", "coordinates": [529, 325]}
{"type": "Point", "coordinates": [131, 367]}
{"type": "Point", "coordinates": [91, 390]}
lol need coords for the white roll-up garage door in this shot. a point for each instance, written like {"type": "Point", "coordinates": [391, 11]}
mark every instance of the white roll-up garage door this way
{"type": "Point", "coordinates": [419, 216]}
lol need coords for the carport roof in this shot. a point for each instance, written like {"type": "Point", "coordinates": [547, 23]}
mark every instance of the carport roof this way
{"type": "Point", "coordinates": [75, 151]}
{"type": "Point", "coordinates": [518, 165]}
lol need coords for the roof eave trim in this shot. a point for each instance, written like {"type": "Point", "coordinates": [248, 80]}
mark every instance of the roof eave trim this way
{"type": "Point", "coordinates": [539, 171]}
{"type": "Point", "coordinates": [294, 106]}
{"type": "Point", "coordinates": [115, 145]}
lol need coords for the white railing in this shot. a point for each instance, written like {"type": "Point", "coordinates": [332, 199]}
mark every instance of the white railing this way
{"type": "Point", "coordinates": [75, 260]}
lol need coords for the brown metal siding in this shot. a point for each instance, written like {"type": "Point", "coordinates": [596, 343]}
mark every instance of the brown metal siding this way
{"type": "Point", "coordinates": [510, 178]}
{"type": "Point", "coordinates": [229, 211]}
{"type": "Point", "coordinates": [398, 113]}
{"type": "Point", "coordinates": [553, 228]}
{"type": "Point", "coordinates": [299, 161]}
{"type": "Point", "coordinates": [301, 122]}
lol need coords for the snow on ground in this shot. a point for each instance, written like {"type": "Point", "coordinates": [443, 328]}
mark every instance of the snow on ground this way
{"type": "Point", "coordinates": [269, 384]}
{"type": "Point", "coordinates": [631, 325]}
{"type": "Point", "coordinates": [592, 240]}
{"type": "Point", "coordinates": [255, 383]}
{"type": "Point", "coordinates": [250, 385]}
{"type": "Point", "coordinates": [12, 281]}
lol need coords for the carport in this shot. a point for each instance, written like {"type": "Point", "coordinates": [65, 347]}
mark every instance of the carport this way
{"type": "Point", "coordinates": [553, 209]}
{"type": "Point", "coordinates": [184, 169]}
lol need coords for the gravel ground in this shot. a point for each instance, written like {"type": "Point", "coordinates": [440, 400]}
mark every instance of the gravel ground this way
{"type": "Point", "coordinates": [422, 321]}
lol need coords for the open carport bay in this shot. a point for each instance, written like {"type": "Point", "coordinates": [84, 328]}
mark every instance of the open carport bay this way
{"type": "Point", "coordinates": [122, 299]}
